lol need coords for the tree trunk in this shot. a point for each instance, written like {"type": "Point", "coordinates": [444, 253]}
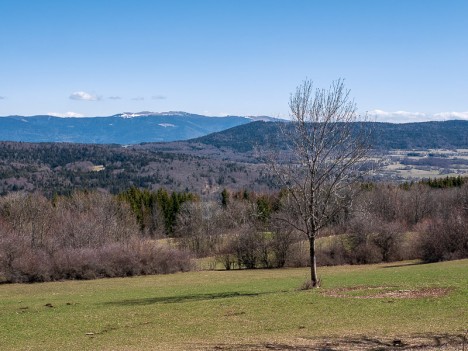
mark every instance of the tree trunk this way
{"type": "Point", "coordinates": [313, 263]}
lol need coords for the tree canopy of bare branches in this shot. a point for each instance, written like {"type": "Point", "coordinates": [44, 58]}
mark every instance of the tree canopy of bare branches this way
{"type": "Point", "coordinates": [330, 142]}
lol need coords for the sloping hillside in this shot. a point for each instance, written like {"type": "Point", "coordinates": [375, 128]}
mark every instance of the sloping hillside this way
{"type": "Point", "coordinates": [424, 135]}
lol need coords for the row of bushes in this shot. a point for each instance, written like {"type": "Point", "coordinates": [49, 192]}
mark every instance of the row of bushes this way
{"type": "Point", "coordinates": [437, 241]}
{"type": "Point", "coordinates": [385, 223]}
{"type": "Point", "coordinates": [85, 236]}
{"type": "Point", "coordinates": [112, 260]}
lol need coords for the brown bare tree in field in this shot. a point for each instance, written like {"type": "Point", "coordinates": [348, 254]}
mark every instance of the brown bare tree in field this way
{"type": "Point", "coordinates": [329, 144]}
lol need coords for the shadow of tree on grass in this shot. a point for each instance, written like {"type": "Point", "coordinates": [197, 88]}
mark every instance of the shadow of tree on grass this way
{"type": "Point", "coordinates": [184, 298]}
{"type": "Point", "coordinates": [405, 264]}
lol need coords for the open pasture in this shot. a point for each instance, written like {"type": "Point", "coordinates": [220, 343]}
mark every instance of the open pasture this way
{"type": "Point", "coordinates": [374, 307]}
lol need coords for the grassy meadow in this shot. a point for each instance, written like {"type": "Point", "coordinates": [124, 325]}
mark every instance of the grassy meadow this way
{"type": "Point", "coordinates": [356, 307]}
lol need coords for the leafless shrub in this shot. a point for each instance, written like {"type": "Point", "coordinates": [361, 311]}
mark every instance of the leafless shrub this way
{"type": "Point", "coordinates": [418, 203]}
{"type": "Point", "coordinates": [388, 237]}
{"type": "Point", "coordinates": [77, 264]}
{"type": "Point", "coordinates": [298, 255]}
{"type": "Point", "coordinates": [445, 238]}
{"type": "Point", "coordinates": [19, 262]}
{"type": "Point", "coordinates": [283, 237]}
{"type": "Point", "coordinates": [199, 227]}
{"type": "Point", "coordinates": [226, 256]}
{"type": "Point", "coordinates": [32, 266]}
{"type": "Point", "coordinates": [159, 259]}
{"type": "Point", "coordinates": [30, 216]}
{"type": "Point", "coordinates": [333, 251]}
{"type": "Point", "coordinates": [92, 220]}
{"type": "Point", "coordinates": [246, 247]}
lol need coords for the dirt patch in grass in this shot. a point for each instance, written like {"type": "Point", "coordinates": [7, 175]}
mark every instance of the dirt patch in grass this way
{"type": "Point", "coordinates": [360, 343]}
{"type": "Point", "coordinates": [381, 292]}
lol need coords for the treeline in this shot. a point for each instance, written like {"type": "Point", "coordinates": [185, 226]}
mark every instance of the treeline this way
{"type": "Point", "coordinates": [230, 229]}
{"type": "Point", "coordinates": [83, 236]}
{"type": "Point", "coordinates": [440, 183]}
{"type": "Point", "coordinates": [390, 222]}
{"type": "Point", "coordinates": [385, 223]}
{"type": "Point", "coordinates": [447, 182]}
{"type": "Point", "coordinates": [156, 211]}
{"type": "Point", "coordinates": [95, 234]}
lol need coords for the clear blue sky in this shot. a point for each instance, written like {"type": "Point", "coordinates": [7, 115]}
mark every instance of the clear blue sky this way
{"type": "Point", "coordinates": [238, 57]}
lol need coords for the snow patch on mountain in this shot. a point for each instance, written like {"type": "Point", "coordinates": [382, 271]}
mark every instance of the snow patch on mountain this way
{"type": "Point", "coordinates": [148, 113]}
{"type": "Point", "coordinates": [136, 114]}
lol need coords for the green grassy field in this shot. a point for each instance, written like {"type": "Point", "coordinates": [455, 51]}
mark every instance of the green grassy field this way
{"type": "Point", "coordinates": [357, 306]}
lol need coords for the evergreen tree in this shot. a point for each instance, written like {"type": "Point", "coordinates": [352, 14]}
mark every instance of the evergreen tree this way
{"type": "Point", "coordinates": [224, 198]}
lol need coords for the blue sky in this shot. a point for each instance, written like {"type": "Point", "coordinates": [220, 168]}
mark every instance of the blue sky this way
{"type": "Point", "coordinates": [402, 60]}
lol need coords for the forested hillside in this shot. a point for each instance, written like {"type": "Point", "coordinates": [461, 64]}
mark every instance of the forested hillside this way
{"type": "Point", "coordinates": [386, 136]}
{"type": "Point", "coordinates": [231, 159]}
{"type": "Point", "coordinates": [60, 168]}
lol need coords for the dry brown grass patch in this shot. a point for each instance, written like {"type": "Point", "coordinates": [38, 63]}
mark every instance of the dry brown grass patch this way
{"type": "Point", "coordinates": [436, 342]}
{"type": "Point", "coordinates": [379, 292]}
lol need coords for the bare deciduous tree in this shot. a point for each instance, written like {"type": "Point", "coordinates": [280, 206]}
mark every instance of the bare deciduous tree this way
{"type": "Point", "coordinates": [329, 142]}
{"type": "Point", "coordinates": [199, 227]}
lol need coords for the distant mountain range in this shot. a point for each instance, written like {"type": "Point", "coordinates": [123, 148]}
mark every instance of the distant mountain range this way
{"type": "Point", "coordinates": [237, 133]}
{"type": "Point", "coordinates": [124, 128]}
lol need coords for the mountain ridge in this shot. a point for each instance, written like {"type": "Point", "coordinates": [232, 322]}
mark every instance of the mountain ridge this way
{"type": "Point", "coordinates": [123, 128]}
{"type": "Point", "coordinates": [240, 133]}
{"type": "Point", "coordinates": [415, 135]}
